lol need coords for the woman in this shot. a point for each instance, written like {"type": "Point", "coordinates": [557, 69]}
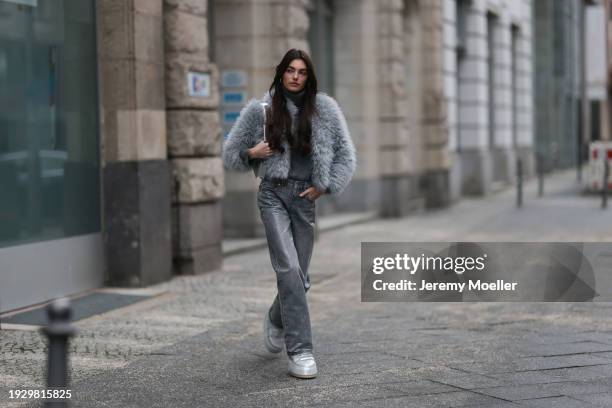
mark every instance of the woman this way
{"type": "Point", "coordinates": [307, 152]}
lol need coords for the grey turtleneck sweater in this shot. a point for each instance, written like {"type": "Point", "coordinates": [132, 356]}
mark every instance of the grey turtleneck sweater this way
{"type": "Point", "coordinates": [301, 164]}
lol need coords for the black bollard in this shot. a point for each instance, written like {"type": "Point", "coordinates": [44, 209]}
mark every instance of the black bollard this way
{"type": "Point", "coordinates": [540, 175]}
{"type": "Point", "coordinates": [58, 332]}
{"type": "Point", "coordinates": [604, 186]}
{"type": "Point", "coordinates": [579, 161]}
{"type": "Point", "coordinates": [519, 183]}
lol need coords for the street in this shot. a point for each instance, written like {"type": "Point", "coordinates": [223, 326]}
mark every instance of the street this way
{"type": "Point", "coordinates": [198, 341]}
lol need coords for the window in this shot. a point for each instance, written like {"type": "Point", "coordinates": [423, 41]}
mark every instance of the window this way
{"type": "Point", "coordinates": [321, 40]}
{"type": "Point", "coordinates": [515, 90]}
{"type": "Point", "coordinates": [210, 25]}
{"type": "Point", "coordinates": [595, 121]}
{"type": "Point", "coordinates": [49, 154]}
{"type": "Point", "coordinates": [560, 43]}
{"type": "Point", "coordinates": [491, 28]}
{"type": "Point", "coordinates": [462, 16]}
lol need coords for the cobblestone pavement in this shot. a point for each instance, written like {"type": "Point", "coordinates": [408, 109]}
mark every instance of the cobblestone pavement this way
{"type": "Point", "coordinates": [199, 343]}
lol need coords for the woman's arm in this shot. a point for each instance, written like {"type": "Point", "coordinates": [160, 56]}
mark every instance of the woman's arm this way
{"type": "Point", "coordinates": [243, 135]}
{"type": "Point", "coordinates": [345, 160]}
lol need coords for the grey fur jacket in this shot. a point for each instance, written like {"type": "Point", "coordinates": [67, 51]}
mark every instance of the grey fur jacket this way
{"type": "Point", "coordinates": [333, 152]}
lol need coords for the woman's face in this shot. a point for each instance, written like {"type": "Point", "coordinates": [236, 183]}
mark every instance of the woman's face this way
{"type": "Point", "coordinates": [295, 76]}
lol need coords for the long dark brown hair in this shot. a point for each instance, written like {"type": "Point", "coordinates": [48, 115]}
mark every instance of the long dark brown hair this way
{"type": "Point", "coordinates": [279, 123]}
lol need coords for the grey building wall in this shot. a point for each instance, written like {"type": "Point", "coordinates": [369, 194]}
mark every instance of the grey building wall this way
{"type": "Point", "coordinates": [488, 68]}
{"type": "Point", "coordinates": [356, 88]}
{"type": "Point", "coordinates": [400, 106]}
{"type": "Point", "coordinates": [435, 123]}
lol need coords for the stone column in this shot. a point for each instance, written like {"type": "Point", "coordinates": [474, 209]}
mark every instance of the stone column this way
{"type": "Point", "coordinates": [435, 119]}
{"type": "Point", "coordinates": [194, 139]}
{"type": "Point", "coordinates": [524, 87]}
{"type": "Point", "coordinates": [399, 52]}
{"type": "Point", "coordinates": [502, 152]}
{"type": "Point", "coordinates": [453, 62]}
{"type": "Point", "coordinates": [473, 104]}
{"type": "Point", "coordinates": [355, 72]}
{"type": "Point", "coordinates": [136, 181]}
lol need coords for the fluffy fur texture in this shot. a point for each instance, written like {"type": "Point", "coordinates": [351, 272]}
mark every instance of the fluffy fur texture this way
{"type": "Point", "coordinates": [333, 152]}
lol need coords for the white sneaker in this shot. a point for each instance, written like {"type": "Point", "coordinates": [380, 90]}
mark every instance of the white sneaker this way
{"type": "Point", "coordinates": [273, 336]}
{"type": "Point", "coordinates": [303, 365]}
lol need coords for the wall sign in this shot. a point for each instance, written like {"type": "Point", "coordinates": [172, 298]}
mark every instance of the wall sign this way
{"type": "Point", "coordinates": [233, 97]}
{"type": "Point", "coordinates": [233, 78]}
{"type": "Point", "coordinates": [198, 84]}
{"type": "Point", "coordinates": [230, 117]}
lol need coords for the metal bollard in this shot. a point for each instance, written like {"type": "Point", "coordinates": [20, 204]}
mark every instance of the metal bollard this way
{"type": "Point", "coordinates": [58, 332]}
{"type": "Point", "coordinates": [604, 186]}
{"type": "Point", "coordinates": [519, 183]}
{"type": "Point", "coordinates": [540, 175]}
{"type": "Point", "coordinates": [579, 161]}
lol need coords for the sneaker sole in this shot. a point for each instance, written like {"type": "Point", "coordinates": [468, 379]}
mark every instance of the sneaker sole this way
{"type": "Point", "coordinates": [303, 376]}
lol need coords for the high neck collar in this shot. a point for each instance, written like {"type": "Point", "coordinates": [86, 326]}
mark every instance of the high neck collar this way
{"type": "Point", "coordinates": [296, 97]}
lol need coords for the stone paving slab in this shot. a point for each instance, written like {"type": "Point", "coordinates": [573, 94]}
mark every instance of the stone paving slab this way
{"type": "Point", "coordinates": [447, 399]}
{"type": "Point", "coordinates": [579, 347]}
{"type": "Point", "coordinates": [552, 402]}
{"type": "Point", "coordinates": [528, 377]}
{"type": "Point", "coordinates": [532, 364]}
{"type": "Point", "coordinates": [601, 399]}
{"type": "Point", "coordinates": [557, 389]}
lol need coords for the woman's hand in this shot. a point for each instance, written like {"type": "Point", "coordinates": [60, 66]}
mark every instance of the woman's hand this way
{"type": "Point", "coordinates": [260, 151]}
{"type": "Point", "coordinates": [311, 193]}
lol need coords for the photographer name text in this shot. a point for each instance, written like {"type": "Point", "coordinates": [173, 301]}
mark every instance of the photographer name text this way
{"type": "Point", "coordinates": [477, 285]}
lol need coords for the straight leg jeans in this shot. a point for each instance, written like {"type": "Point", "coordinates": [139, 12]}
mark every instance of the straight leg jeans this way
{"type": "Point", "coordinates": [289, 221]}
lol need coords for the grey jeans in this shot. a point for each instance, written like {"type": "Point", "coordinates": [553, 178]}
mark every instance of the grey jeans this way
{"type": "Point", "coordinates": [289, 223]}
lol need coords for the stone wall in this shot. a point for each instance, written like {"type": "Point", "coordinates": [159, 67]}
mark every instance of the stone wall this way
{"type": "Point", "coordinates": [435, 119]}
{"type": "Point", "coordinates": [194, 138]}
{"type": "Point", "coordinates": [356, 75]}
{"type": "Point", "coordinates": [399, 55]}
{"type": "Point", "coordinates": [135, 175]}
{"type": "Point", "coordinates": [493, 125]}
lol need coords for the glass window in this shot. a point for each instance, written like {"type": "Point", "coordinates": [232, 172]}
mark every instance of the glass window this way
{"type": "Point", "coordinates": [210, 26]}
{"type": "Point", "coordinates": [595, 121]}
{"type": "Point", "coordinates": [462, 16]}
{"type": "Point", "coordinates": [559, 38]}
{"type": "Point", "coordinates": [491, 27]}
{"type": "Point", "coordinates": [321, 40]}
{"type": "Point", "coordinates": [49, 154]}
{"type": "Point", "coordinates": [515, 55]}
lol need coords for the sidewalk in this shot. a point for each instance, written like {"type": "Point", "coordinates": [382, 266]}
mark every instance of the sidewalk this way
{"type": "Point", "coordinates": [199, 342]}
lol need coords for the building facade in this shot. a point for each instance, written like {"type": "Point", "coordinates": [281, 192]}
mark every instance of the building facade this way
{"type": "Point", "coordinates": [572, 78]}
{"type": "Point", "coordinates": [438, 95]}
{"type": "Point", "coordinates": [114, 118]}
{"type": "Point", "coordinates": [488, 83]}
